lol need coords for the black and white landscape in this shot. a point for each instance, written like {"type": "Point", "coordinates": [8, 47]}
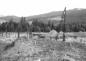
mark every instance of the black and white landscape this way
{"type": "Point", "coordinates": [42, 30]}
{"type": "Point", "coordinates": [40, 37]}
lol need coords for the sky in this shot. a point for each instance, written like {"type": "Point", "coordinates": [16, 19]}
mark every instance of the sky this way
{"type": "Point", "coordinates": [36, 7]}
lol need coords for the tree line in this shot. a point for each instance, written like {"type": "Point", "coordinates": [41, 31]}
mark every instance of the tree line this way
{"type": "Point", "coordinates": [37, 26]}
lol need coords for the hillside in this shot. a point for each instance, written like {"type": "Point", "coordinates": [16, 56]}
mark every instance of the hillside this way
{"type": "Point", "coordinates": [76, 15]}
{"type": "Point", "coordinates": [73, 16]}
{"type": "Point", "coordinates": [8, 18]}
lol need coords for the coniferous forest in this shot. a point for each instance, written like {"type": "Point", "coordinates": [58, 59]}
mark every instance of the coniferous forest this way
{"type": "Point", "coordinates": [38, 26]}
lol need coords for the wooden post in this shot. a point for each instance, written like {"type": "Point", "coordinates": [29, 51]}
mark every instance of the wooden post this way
{"type": "Point", "coordinates": [18, 30]}
{"type": "Point", "coordinates": [18, 34]}
{"type": "Point", "coordinates": [27, 32]}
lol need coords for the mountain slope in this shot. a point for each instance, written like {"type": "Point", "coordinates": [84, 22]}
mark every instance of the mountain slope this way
{"type": "Point", "coordinates": [76, 16]}
{"type": "Point", "coordinates": [73, 16]}
{"type": "Point", "coordinates": [8, 18]}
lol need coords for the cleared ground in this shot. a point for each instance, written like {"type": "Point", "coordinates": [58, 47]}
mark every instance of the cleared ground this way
{"type": "Point", "coordinates": [42, 49]}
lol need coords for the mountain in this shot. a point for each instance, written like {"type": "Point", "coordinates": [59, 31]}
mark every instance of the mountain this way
{"type": "Point", "coordinates": [8, 18]}
{"type": "Point", "coordinates": [46, 15]}
{"type": "Point", "coordinates": [73, 16]}
{"type": "Point", "coordinates": [76, 16]}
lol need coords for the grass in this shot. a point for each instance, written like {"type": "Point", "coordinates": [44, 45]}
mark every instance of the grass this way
{"type": "Point", "coordinates": [2, 46]}
{"type": "Point", "coordinates": [53, 50]}
{"type": "Point", "coordinates": [74, 49]}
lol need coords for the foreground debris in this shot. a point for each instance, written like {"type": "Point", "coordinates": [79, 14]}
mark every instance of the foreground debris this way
{"type": "Point", "coordinates": [43, 49]}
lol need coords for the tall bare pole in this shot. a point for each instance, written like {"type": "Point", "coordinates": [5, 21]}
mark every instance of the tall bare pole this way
{"type": "Point", "coordinates": [64, 20]}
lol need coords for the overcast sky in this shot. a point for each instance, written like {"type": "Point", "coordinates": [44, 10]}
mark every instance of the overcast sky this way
{"type": "Point", "coordinates": [35, 7]}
